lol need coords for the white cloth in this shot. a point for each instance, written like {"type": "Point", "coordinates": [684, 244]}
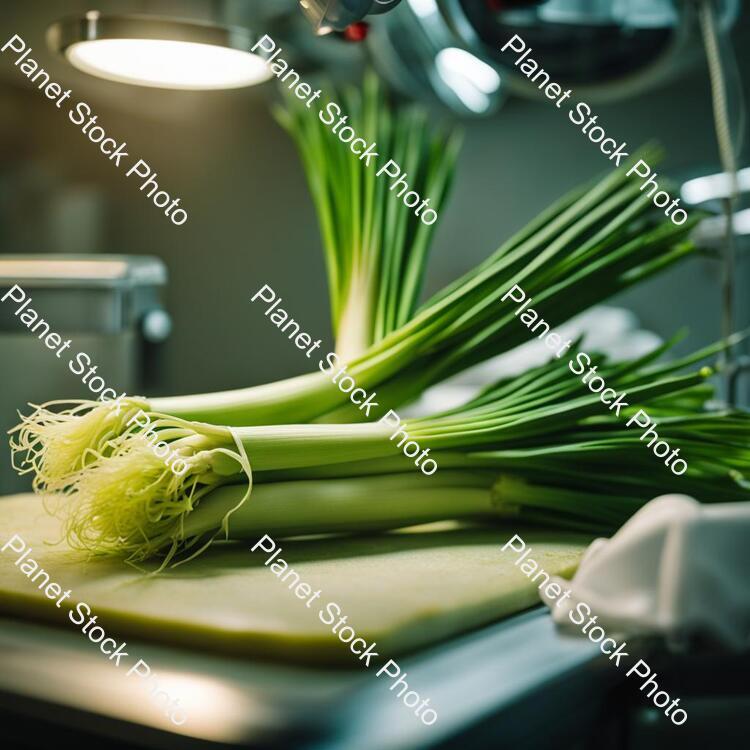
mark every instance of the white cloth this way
{"type": "Point", "coordinates": [677, 567]}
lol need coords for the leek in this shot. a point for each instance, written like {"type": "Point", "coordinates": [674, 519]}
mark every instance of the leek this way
{"type": "Point", "coordinates": [375, 247]}
{"type": "Point", "coordinates": [587, 247]}
{"type": "Point", "coordinates": [535, 431]}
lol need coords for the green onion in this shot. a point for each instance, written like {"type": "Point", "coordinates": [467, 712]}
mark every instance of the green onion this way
{"type": "Point", "coordinates": [543, 433]}
{"type": "Point", "coordinates": [375, 246]}
{"type": "Point", "coordinates": [587, 247]}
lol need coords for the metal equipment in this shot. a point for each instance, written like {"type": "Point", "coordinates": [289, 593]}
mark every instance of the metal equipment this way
{"type": "Point", "coordinates": [109, 306]}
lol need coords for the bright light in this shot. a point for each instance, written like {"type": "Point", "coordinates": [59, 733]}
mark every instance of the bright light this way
{"type": "Point", "coordinates": [168, 64]}
{"type": "Point", "coordinates": [714, 186]}
{"type": "Point", "coordinates": [471, 79]}
{"type": "Point", "coordinates": [424, 8]}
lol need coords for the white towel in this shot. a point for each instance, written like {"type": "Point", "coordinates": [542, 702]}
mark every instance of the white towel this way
{"type": "Point", "coordinates": [676, 568]}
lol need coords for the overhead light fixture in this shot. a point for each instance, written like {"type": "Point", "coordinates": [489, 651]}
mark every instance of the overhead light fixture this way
{"type": "Point", "coordinates": [159, 52]}
{"type": "Point", "coordinates": [423, 56]}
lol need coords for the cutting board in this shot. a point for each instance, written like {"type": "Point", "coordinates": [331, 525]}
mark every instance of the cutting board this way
{"type": "Point", "coordinates": [404, 590]}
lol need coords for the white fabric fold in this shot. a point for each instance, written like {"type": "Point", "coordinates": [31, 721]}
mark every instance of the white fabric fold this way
{"type": "Point", "coordinates": [676, 568]}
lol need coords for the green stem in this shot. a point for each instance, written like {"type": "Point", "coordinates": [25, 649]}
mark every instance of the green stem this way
{"type": "Point", "coordinates": [344, 505]}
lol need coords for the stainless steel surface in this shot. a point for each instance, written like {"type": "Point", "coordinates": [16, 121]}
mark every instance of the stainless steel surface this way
{"type": "Point", "coordinates": [605, 50]}
{"type": "Point", "coordinates": [240, 702]}
{"type": "Point", "coordinates": [103, 294]}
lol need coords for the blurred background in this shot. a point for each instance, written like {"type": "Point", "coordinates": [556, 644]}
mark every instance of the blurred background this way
{"type": "Point", "coordinates": [171, 312]}
{"type": "Point", "coordinates": [251, 217]}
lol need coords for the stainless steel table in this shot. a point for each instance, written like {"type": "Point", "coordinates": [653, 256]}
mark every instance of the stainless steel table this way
{"type": "Point", "coordinates": [517, 684]}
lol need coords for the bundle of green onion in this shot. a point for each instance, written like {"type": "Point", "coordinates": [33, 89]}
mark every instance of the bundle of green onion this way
{"type": "Point", "coordinates": [375, 246]}
{"type": "Point", "coordinates": [536, 444]}
{"type": "Point", "coordinates": [587, 247]}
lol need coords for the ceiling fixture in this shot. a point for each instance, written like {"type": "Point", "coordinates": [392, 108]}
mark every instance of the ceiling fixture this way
{"type": "Point", "coordinates": [159, 52]}
{"type": "Point", "coordinates": [450, 50]}
{"type": "Point", "coordinates": [337, 15]}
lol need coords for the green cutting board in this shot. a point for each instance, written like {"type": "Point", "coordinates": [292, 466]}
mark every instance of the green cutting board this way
{"type": "Point", "coordinates": [404, 590]}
